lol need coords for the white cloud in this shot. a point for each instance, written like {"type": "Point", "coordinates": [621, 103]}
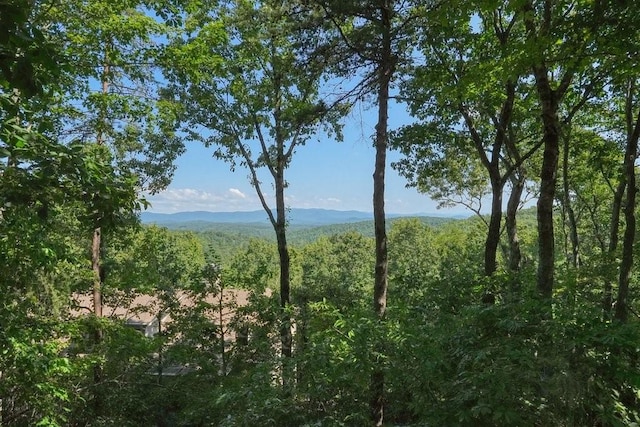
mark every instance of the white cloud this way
{"type": "Point", "coordinates": [189, 199]}
{"type": "Point", "coordinates": [234, 199]}
{"type": "Point", "coordinates": [238, 193]}
{"type": "Point", "coordinates": [307, 202]}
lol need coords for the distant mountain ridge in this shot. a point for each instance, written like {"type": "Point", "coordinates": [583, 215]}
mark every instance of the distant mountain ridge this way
{"type": "Point", "coordinates": [296, 216]}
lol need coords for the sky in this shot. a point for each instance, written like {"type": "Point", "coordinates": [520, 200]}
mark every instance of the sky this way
{"type": "Point", "coordinates": [323, 174]}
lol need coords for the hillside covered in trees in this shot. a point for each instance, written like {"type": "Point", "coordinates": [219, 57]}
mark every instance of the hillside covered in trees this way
{"type": "Point", "coordinates": [224, 239]}
{"type": "Point", "coordinates": [517, 317]}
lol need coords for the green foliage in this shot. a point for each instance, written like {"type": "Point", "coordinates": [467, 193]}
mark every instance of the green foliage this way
{"type": "Point", "coordinates": [28, 61]}
{"type": "Point", "coordinates": [255, 267]}
{"type": "Point", "coordinates": [335, 364]}
{"type": "Point", "coordinates": [84, 126]}
{"type": "Point", "coordinates": [337, 269]}
{"type": "Point", "coordinates": [153, 259]}
{"type": "Point", "coordinates": [33, 371]}
{"type": "Point", "coordinates": [238, 73]}
{"type": "Point", "coordinates": [414, 260]}
{"type": "Point", "coordinates": [224, 240]}
{"type": "Point", "coordinates": [108, 92]}
{"type": "Point", "coordinates": [498, 364]}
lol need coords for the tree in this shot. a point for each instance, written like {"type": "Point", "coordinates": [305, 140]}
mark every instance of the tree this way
{"type": "Point", "coordinates": [110, 98]}
{"type": "Point", "coordinates": [372, 41]}
{"type": "Point", "coordinates": [255, 266]}
{"type": "Point", "coordinates": [257, 106]}
{"type": "Point", "coordinates": [632, 120]}
{"type": "Point", "coordinates": [336, 269]}
{"type": "Point", "coordinates": [624, 84]}
{"type": "Point", "coordinates": [471, 96]}
{"type": "Point", "coordinates": [551, 33]}
{"type": "Point", "coordinates": [413, 260]}
{"type": "Point", "coordinates": [50, 192]}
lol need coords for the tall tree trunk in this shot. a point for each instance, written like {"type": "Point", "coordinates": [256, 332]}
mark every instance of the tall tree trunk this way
{"type": "Point", "coordinates": [97, 232]}
{"type": "Point", "coordinates": [548, 99]}
{"type": "Point", "coordinates": [385, 71]}
{"type": "Point", "coordinates": [97, 311]}
{"type": "Point", "coordinates": [515, 255]}
{"type": "Point", "coordinates": [96, 243]}
{"type": "Point", "coordinates": [492, 165]}
{"type": "Point", "coordinates": [574, 255]}
{"type": "Point", "coordinates": [285, 263]}
{"type": "Point", "coordinates": [631, 152]}
{"type": "Point", "coordinates": [493, 234]}
{"type": "Point", "coordinates": [614, 229]}
{"type": "Point", "coordinates": [96, 252]}
{"type": "Point", "coordinates": [280, 226]}
{"type": "Point", "coordinates": [286, 335]}
{"type": "Point", "coordinates": [548, 176]}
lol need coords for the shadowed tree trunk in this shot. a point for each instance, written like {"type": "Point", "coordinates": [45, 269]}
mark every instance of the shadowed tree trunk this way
{"type": "Point", "coordinates": [574, 255]}
{"type": "Point", "coordinates": [631, 153]}
{"type": "Point", "coordinates": [515, 255]}
{"type": "Point", "coordinates": [495, 221]}
{"type": "Point", "coordinates": [385, 72]}
{"type": "Point", "coordinates": [614, 229]}
{"type": "Point", "coordinates": [96, 252]}
{"type": "Point", "coordinates": [546, 246]}
{"type": "Point", "coordinates": [492, 165]}
{"type": "Point", "coordinates": [548, 99]}
{"type": "Point", "coordinates": [285, 264]}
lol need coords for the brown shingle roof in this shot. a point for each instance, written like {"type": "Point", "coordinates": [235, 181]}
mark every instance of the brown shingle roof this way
{"type": "Point", "coordinates": [142, 310]}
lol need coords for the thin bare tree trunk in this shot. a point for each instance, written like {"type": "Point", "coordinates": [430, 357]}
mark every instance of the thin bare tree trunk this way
{"type": "Point", "coordinates": [97, 232]}
{"type": "Point", "coordinates": [614, 229]}
{"type": "Point", "coordinates": [574, 255]}
{"type": "Point", "coordinates": [515, 255]}
{"type": "Point", "coordinates": [97, 310]}
{"type": "Point", "coordinates": [631, 153]}
{"type": "Point", "coordinates": [546, 248]}
{"type": "Point", "coordinates": [285, 266]}
{"type": "Point", "coordinates": [548, 100]}
{"type": "Point", "coordinates": [385, 71]}
{"type": "Point", "coordinates": [493, 234]}
{"type": "Point", "coordinates": [96, 243]}
{"type": "Point", "coordinates": [96, 255]}
{"type": "Point", "coordinates": [280, 228]}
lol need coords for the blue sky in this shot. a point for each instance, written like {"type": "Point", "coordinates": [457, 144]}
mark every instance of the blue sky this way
{"type": "Point", "coordinates": [323, 174]}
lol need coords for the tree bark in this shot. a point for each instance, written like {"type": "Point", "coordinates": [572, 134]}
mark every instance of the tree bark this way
{"type": "Point", "coordinates": [280, 227]}
{"type": "Point", "coordinates": [574, 255]}
{"type": "Point", "coordinates": [385, 71]}
{"type": "Point", "coordinates": [515, 255]}
{"type": "Point", "coordinates": [614, 229]}
{"type": "Point", "coordinates": [548, 99]}
{"type": "Point", "coordinates": [497, 181]}
{"type": "Point", "coordinates": [96, 252]}
{"type": "Point", "coordinates": [493, 234]}
{"type": "Point", "coordinates": [631, 153]}
{"type": "Point", "coordinates": [97, 232]}
{"type": "Point", "coordinates": [285, 268]}
{"type": "Point", "coordinates": [492, 165]}
{"type": "Point", "coordinates": [97, 311]}
{"type": "Point", "coordinates": [548, 178]}
{"type": "Point", "coordinates": [278, 221]}
{"type": "Point", "coordinates": [96, 243]}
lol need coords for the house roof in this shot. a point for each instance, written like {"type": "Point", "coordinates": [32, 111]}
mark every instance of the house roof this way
{"type": "Point", "coordinates": [143, 309]}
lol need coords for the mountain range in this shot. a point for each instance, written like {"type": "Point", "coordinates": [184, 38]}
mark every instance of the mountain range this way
{"type": "Point", "coordinates": [298, 217]}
